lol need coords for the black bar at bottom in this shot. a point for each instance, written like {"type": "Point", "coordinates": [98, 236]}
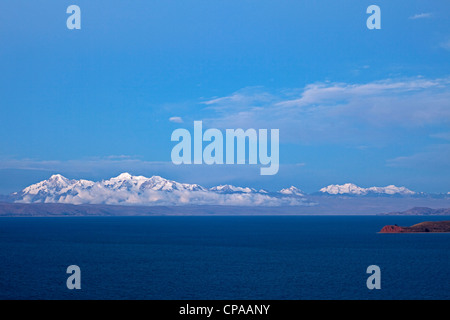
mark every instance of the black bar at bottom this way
{"type": "Point", "coordinates": [225, 309]}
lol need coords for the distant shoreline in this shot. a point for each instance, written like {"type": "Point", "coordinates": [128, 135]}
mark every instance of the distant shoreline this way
{"type": "Point", "coordinates": [330, 207]}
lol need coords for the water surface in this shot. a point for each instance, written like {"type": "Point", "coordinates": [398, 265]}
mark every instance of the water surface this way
{"type": "Point", "coordinates": [287, 257]}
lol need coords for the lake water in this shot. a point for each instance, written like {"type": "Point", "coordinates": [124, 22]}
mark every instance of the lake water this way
{"type": "Point", "coordinates": [287, 257]}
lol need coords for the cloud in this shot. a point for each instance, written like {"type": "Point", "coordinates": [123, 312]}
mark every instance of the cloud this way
{"type": "Point", "coordinates": [176, 119]}
{"type": "Point", "coordinates": [328, 111]}
{"type": "Point", "coordinates": [434, 157]}
{"type": "Point", "coordinates": [87, 165]}
{"type": "Point", "coordinates": [97, 195]}
{"type": "Point", "coordinates": [244, 98]}
{"type": "Point", "coordinates": [421, 16]}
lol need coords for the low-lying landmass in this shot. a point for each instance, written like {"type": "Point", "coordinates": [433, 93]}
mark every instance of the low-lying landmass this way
{"type": "Point", "coordinates": [324, 206]}
{"type": "Point", "coordinates": [422, 211]}
{"type": "Point", "coordinates": [423, 227]}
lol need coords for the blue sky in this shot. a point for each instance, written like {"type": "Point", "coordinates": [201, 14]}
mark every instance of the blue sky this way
{"type": "Point", "coordinates": [370, 107]}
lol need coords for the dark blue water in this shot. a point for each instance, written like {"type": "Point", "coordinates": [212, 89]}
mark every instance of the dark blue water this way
{"type": "Point", "coordinates": [221, 258]}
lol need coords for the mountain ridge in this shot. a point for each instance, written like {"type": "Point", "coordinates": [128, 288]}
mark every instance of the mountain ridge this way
{"type": "Point", "coordinates": [127, 189]}
{"type": "Point", "coordinates": [352, 189]}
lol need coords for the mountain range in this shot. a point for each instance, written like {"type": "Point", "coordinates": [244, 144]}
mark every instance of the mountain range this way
{"type": "Point", "coordinates": [126, 189]}
{"type": "Point", "coordinates": [352, 189]}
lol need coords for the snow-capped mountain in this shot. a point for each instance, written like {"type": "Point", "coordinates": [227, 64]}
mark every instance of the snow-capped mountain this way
{"type": "Point", "coordinates": [292, 191]}
{"type": "Point", "coordinates": [352, 189]}
{"type": "Point", "coordinates": [227, 188]}
{"type": "Point", "coordinates": [139, 190]}
{"type": "Point", "coordinates": [232, 189]}
{"type": "Point", "coordinates": [126, 181]}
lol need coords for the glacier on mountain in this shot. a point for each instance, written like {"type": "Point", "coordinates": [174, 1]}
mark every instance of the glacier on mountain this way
{"type": "Point", "coordinates": [127, 189]}
{"type": "Point", "coordinates": [352, 189]}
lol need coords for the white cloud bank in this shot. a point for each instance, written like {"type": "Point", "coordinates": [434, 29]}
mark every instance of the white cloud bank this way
{"type": "Point", "coordinates": [330, 111]}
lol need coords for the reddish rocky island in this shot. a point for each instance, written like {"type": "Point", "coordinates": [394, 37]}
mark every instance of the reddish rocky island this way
{"type": "Point", "coordinates": [423, 227]}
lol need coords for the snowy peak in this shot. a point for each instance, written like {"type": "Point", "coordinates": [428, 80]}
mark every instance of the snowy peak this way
{"type": "Point", "coordinates": [158, 183]}
{"type": "Point", "coordinates": [352, 189]}
{"type": "Point", "coordinates": [124, 181]}
{"type": "Point", "coordinates": [348, 188]}
{"type": "Point", "coordinates": [59, 179]}
{"type": "Point", "coordinates": [123, 176]}
{"type": "Point", "coordinates": [55, 183]}
{"type": "Point", "coordinates": [292, 191]}
{"type": "Point", "coordinates": [232, 189]}
{"type": "Point", "coordinates": [391, 189]}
